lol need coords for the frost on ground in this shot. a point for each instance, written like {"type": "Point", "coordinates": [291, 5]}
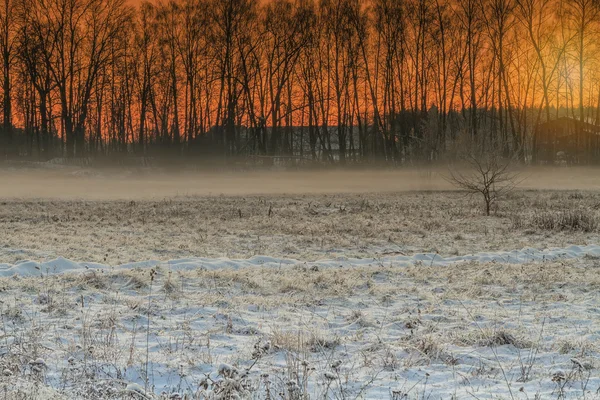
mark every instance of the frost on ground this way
{"type": "Point", "coordinates": [382, 296]}
{"type": "Point", "coordinates": [302, 227]}
{"type": "Point", "coordinates": [466, 330]}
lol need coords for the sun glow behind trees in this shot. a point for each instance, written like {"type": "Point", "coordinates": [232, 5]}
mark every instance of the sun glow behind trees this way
{"type": "Point", "coordinates": [391, 79]}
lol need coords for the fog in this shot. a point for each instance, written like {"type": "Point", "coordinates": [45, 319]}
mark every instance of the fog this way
{"type": "Point", "coordinates": [107, 184]}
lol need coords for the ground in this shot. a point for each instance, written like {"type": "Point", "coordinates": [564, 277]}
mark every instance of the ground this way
{"type": "Point", "coordinates": [304, 227]}
{"type": "Point", "coordinates": [300, 296]}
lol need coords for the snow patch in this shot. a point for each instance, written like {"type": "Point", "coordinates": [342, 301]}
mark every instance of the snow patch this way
{"type": "Point", "coordinates": [526, 255]}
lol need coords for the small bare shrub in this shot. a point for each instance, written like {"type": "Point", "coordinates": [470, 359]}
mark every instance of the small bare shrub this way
{"type": "Point", "coordinates": [502, 338]}
{"type": "Point", "coordinates": [487, 175]}
{"type": "Point", "coordinates": [93, 280]}
{"type": "Point", "coordinates": [516, 222]}
{"type": "Point", "coordinates": [572, 220]}
{"type": "Point", "coordinates": [576, 196]}
{"type": "Point", "coordinates": [302, 341]}
{"type": "Point", "coordinates": [428, 346]}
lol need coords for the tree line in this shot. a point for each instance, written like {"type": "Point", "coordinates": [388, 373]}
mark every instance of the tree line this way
{"type": "Point", "coordinates": [327, 80]}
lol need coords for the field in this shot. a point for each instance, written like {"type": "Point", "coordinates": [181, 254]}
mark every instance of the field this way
{"type": "Point", "coordinates": [381, 286]}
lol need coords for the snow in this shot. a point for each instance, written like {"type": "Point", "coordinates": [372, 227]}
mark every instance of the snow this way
{"type": "Point", "coordinates": [516, 324]}
{"type": "Point", "coordinates": [61, 265]}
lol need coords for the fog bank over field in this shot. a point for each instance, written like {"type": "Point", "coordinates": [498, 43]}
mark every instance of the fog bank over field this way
{"type": "Point", "coordinates": [111, 184]}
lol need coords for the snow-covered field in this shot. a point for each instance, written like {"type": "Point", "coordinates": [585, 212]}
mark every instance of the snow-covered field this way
{"type": "Point", "coordinates": [369, 329]}
{"type": "Point", "coordinates": [391, 296]}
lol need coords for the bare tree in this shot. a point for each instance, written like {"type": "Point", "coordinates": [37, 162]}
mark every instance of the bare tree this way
{"type": "Point", "coordinates": [489, 175]}
{"type": "Point", "coordinates": [145, 63]}
{"type": "Point", "coordinates": [35, 46]}
{"type": "Point", "coordinates": [7, 55]}
{"type": "Point", "coordinates": [238, 77]}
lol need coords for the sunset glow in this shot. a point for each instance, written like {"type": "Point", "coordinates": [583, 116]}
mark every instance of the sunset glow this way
{"type": "Point", "coordinates": [394, 79]}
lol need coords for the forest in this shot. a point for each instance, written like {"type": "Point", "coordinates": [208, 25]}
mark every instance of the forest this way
{"type": "Point", "coordinates": [329, 81]}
